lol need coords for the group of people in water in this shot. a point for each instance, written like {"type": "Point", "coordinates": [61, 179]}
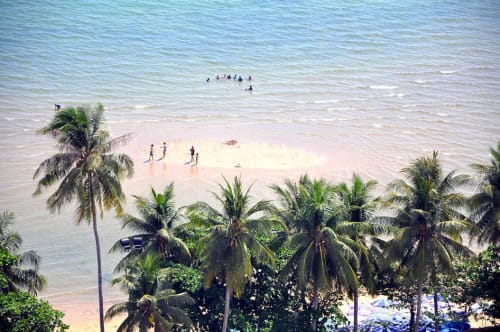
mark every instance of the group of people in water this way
{"type": "Point", "coordinates": [233, 77]}
{"type": "Point", "coordinates": [194, 154]}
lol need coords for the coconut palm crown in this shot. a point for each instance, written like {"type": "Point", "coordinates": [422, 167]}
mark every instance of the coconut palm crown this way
{"type": "Point", "coordinates": [359, 209]}
{"type": "Point", "coordinates": [232, 240]}
{"type": "Point", "coordinates": [428, 222]}
{"type": "Point", "coordinates": [150, 304]}
{"type": "Point", "coordinates": [486, 203]}
{"type": "Point", "coordinates": [155, 227]}
{"type": "Point", "coordinates": [323, 256]}
{"type": "Point", "coordinates": [23, 274]}
{"type": "Point", "coordinates": [85, 170]}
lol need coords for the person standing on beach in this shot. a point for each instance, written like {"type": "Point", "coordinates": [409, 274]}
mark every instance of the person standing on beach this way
{"type": "Point", "coordinates": [151, 156]}
{"type": "Point", "coordinates": [196, 159]}
{"type": "Point", "coordinates": [164, 149]}
{"type": "Point", "coordinates": [192, 153]}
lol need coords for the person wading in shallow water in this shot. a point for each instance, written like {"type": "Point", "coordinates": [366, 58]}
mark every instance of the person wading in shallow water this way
{"type": "Point", "coordinates": [151, 154]}
{"type": "Point", "coordinates": [192, 153]}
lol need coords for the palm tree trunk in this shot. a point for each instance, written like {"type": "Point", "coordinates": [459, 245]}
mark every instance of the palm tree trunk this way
{"type": "Point", "coordinates": [436, 312]}
{"type": "Point", "coordinates": [356, 305]}
{"type": "Point", "coordinates": [315, 307]}
{"type": "Point", "coordinates": [99, 271]}
{"type": "Point", "coordinates": [226, 308]}
{"type": "Point", "coordinates": [419, 300]}
{"type": "Point", "coordinates": [98, 252]}
{"type": "Point", "coordinates": [412, 312]}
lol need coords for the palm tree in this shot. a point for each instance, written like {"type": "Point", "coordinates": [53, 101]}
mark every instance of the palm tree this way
{"type": "Point", "coordinates": [486, 203]}
{"type": "Point", "coordinates": [322, 256]}
{"type": "Point", "coordinates": [150, 304]}
{"type": "Point", "coordinates": [428, 221]}
{"type": "Point", "coordinates": [155, 226]}
{"type": "Point", "coordinates": [232, 243]}
{"type": "Point", "coordinates": [23, 274]}
{"type": "Point", "coordinates": [86, 169]}
{"type": "Point", "coordinates": [360, 207]}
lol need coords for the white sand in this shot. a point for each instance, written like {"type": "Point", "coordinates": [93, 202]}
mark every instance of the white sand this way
{"type": "Point", "coordinates": [217, 154]}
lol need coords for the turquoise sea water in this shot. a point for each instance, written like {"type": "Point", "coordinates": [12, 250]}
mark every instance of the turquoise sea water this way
{"type": "Point", "coordinates": [385, 80]}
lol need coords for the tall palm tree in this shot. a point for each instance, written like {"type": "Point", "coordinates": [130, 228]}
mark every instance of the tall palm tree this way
{"type": "Point", "coordinates": [86, 170]}
{"type": "Point", "coordinates": [428, 220]}
{"type": "Point", "coordinates": [360, 207]}
{"type": "Point", "coordinates": [323, 256]}
{"type": "Point", "coordinates": [155, 226]}
{"type": "Point", "coordinates": [23, 274]}
{"type": "Point", "coordinates": [232, 242]}
{"type": "Point", "coordinates": [486, 203]}
{"type": "Point", "coordinates": [150, 303]}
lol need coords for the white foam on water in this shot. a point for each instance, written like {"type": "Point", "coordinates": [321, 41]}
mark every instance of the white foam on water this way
{"type": "Point", "coordinates": [383, 87]}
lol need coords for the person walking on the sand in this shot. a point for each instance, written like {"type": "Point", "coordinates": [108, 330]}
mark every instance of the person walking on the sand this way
{"type": "Point", "coordinates": [151, 154]}
{"type": "Point", "coordinates": [196, 159]}
{"type": "Point", "coordinates": [192, 153]}
{"type": "Point", "coordinates": [164, 149]}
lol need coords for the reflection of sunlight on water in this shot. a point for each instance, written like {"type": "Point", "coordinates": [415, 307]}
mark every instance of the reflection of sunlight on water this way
{"type": "Point", "coordinates": [151, 168]}
{"type": "Point", "coordinates": [193, 170]}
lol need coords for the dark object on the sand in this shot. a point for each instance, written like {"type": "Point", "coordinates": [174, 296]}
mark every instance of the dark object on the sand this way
{"type": "Point", "coordinates": [125, 243]}
{"type": "Point", "coordinates": [137, 242]}
{"type": "Point", "coordinates": [231, 142]}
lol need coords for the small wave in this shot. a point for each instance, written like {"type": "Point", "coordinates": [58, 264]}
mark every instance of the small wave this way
{"type": "Point", "coordinates": [446, 72]}
{"type": "Point", "coordinates": [377, 125]}
{"type": "Point", "coordinates": [383, 87]}
{"type": "Point", "coordinates": [10, 119]}
{"type": "Point", "coordinates": [421, 81]}
{"type": "Point", "coordinates": [339, 109]}
{"type": "Point", "coordinates": [142, 107]}
{"type": "Point", "coordinates": [301, 102]}
{"type": "Point", "coordinates": [37, 155]}
{"type": "Point", "coordinates": [326, 101]}
{"type": "Point", "coordinates": [442, 114]}
{"type": "Point", "coordinates": [392, 95]}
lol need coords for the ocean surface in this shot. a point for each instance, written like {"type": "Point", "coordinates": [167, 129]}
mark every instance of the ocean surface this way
{"type": "Point", "coordinates": [380, 81]}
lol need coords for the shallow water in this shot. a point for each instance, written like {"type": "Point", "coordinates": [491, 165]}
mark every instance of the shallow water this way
{"type": "Point", "coordinates": [368, 84]}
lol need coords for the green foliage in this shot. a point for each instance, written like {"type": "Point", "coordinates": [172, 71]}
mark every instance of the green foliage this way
{"type": "Point", "coordinates": [476, 279]}
{"type": "Point", "coordinates": [6, 261]}
{"type": "Point", "coordinates": [155, 226]}
{"type": "Point", "coordinates": [21, 312]}
{"type": "Point", "coordinates": [185, 278]}
{"type": "Point", "coordinates": [22, 273]}
{"type": "Point", "coordinates": [485, 204]}
{"type": "Point", "coordinates": [151, 304]}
